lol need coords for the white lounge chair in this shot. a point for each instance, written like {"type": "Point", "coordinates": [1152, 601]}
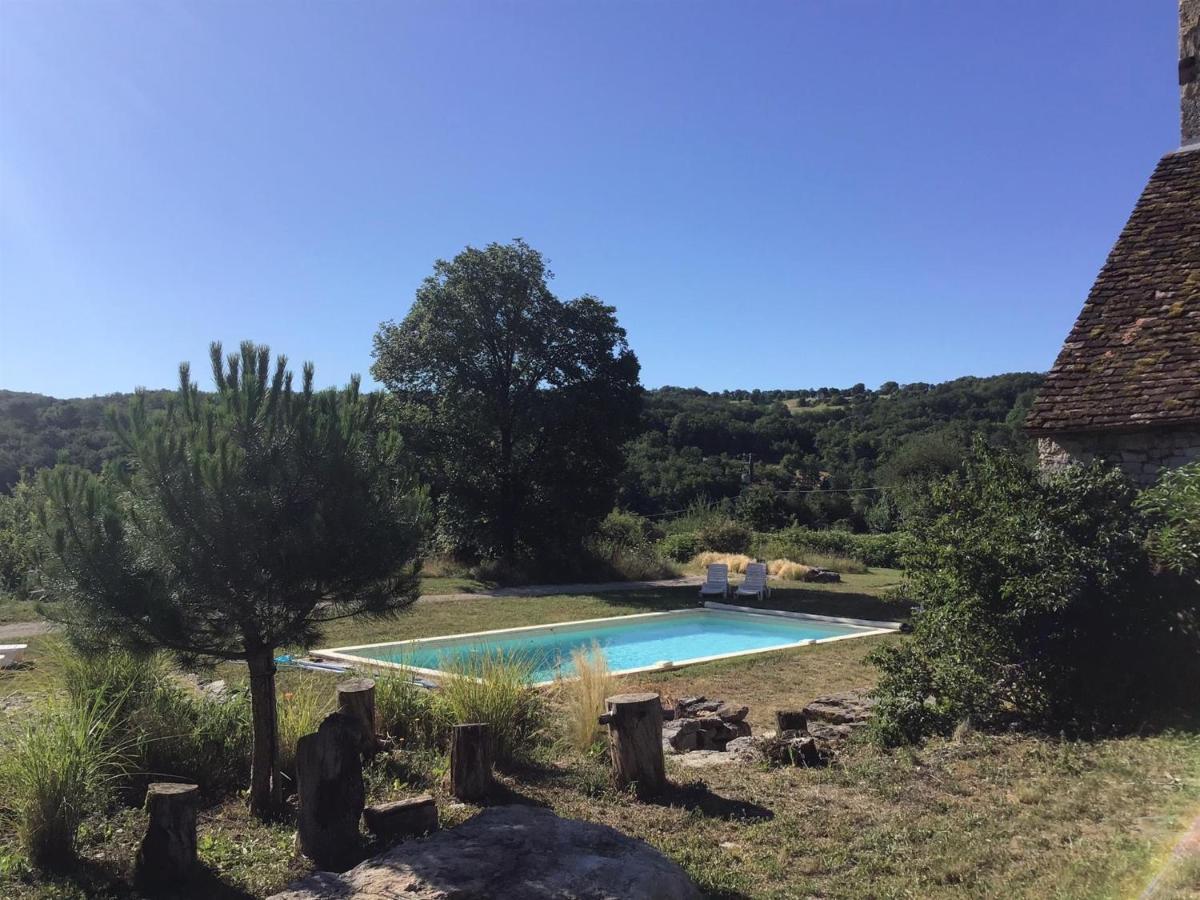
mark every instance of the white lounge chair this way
{"type": "Point", "coordinates": [716, 581]}
{"type": "Point", "coordinates": [755, 582]}
{"type": "Point", "coordinates": [12, 655]}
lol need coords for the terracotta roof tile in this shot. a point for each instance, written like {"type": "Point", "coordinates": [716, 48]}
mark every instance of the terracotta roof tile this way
{"type": "Point", "coordinates": [1133, 357]}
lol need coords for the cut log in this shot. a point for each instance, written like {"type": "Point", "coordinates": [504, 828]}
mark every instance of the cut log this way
{"type": "Point", "coordinates": [471, 761]}
{"type": "Point", "coordinates": [401, 819]}
{"type": "Point", "coordinates": [356, 699]}
{"type": "Point", "coordinates": [790, 720]}
{"type": "Point", "coordinates": [635, 726]}
{"type": "Point", "coordinates": [168, 851]}
{"type": "Point", "coordinates": [330, 783]}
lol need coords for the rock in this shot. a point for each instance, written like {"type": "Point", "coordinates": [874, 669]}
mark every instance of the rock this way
{"type": "Point", "coordinates": [708, 733]}
{"type": "Point", "coordinates": [841, 709]}
{"type": "Point", "coordinates": [831, 734]}
{"type": "Point", "coordinates": [790, 720]}
{"type": "Point", "coordinates": [732, 713]}
{"type": "Point", "coordinates": [509, 851]}
{"type": "Point", "coordinates": [705, 759]}
{"type": "Point", "coordinates": [790, 749]}
{"type": "Point", "coordinates": [820, 575]}
{"type": "Point", "coordinates": [402, 818]}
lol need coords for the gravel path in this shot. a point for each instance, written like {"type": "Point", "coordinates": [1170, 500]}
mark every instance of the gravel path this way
{"type": "Point", "coordinates": [32, 629]}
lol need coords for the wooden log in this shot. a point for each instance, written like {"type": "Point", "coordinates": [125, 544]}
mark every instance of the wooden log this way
{"type": "Point", "coordinates": [790, 720]}
{"type": "Point", "coordinates": [635, 742]}
{"type": "Point", "coordinates": [330, 786]}
{"type": "Point", "coordinates": [471, 761]}
{"type": "Point", "coordinates": [402, 818]}
{"type": "Point", "coordinates": [356, 699]}
{"type": "Point", "coordinates": [168, 851]}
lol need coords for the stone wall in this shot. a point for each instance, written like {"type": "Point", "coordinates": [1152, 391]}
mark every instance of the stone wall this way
{"type": "Point", "coordinates": [1189, 69]}
{"type": "Point", "coordinates": [1141, 454]}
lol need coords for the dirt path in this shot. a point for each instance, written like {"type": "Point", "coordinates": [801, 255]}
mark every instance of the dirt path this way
{"type": "Point", "coordinates": [32, 629]}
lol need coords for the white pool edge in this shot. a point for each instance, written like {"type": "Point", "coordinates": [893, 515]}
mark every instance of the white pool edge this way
{"type": "Point", "coordinates": [870, 629]}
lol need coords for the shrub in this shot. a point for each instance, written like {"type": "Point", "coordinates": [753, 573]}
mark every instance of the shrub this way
{"type": "Point", "coordinates": [1173, 506]}
{"type": "Point", "coordinates": [725, 536]}
{"type": "Point", "coordinates": [835, 563]}
{"type": "Point", "coordinates": [679, 547]}
{"type": "Point", "coordinates": [199, 739]}
{"type": "Point", "coordinates": [626, 529]}
{"type": "Point", "coordinates": [737, 562]}
{"type": "Point", "coordinates": [1033, 588]}
{"type": "Point", "coordinates": [583, 696]}
{"type": "Point", "coordinates": [495, 687]}
{"type": "Point", "coordinates": [869, 549]}
{"type": "Point", "coordinates": [409, 713]}
{"type": "Point", "coordinates": [61, 768]}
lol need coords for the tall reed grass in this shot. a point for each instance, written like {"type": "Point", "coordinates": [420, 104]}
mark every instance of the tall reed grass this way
{"type": "Point", "coordinates": [59, 769]}
{"type": "Point", "coordinates": [583, 696]}
{"type": "Point", "coordinates": [304, 702]}
{"type": "Point", "coordinates": [495, 687]}
{"type": "Point", "coordinates": [737, 562]}
{"type": "Point", "coordinates": [409, 714]}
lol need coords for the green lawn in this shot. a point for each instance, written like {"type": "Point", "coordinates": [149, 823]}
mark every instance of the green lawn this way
{"type": "Point", "coordinates": [980, 815]}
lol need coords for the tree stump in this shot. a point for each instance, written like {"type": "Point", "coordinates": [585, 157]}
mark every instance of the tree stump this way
{"type": "Point", "coordinates": [635, 742]}
{"type": "Point", "coordinates": [168, 851]}
{"type": "Point", "coordinates": [402, 818]}
{"type": "Point", "coordinates": [356, 699]}
{"type": "Point", "coordinates": [471, 761]}
{"type": "Point", "coordinates": [790, 720]}
{"type": "Point", "coordinates": [330, 785]}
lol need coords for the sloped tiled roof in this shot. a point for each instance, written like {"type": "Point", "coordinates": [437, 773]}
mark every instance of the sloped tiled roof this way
{"type": "Point", "coordinates": [1133, 358]}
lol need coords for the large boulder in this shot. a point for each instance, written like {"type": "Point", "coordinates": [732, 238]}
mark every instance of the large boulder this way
{"type": "Point", "coordinates": [848, 708]}
{"type": "Point", "coordinates": [509, 851]}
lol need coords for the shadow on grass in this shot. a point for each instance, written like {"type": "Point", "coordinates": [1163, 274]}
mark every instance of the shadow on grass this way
{"type": "Point", "coordinates": [696, 796]}
{"type": "Point", "coordinates": [814, 600]}
{"type": "Point", "coordinates": [99, 879]}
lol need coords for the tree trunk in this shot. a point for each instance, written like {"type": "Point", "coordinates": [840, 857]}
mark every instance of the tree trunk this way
{"type": "Point", "coordinates": [356, 698]}
{"type": "Point", "coordinates": [168, 851]}
{"type": "Point", "coordinates": [266, 789]}
{"type": "Point", "coordinates": [471, 761]}
{"type": "Point", "coordinates": [635, 742]}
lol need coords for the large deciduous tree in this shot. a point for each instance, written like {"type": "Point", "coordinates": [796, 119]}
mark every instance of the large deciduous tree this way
{"type": "Point", "coordinates": [521, 402]}
{"type": "Point", "coordinates": [240, 521]}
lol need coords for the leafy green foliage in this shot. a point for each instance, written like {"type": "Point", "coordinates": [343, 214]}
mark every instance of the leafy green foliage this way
{"type": "Point", "coordinates": [680, 547]}
{"type": "Point", "coordinates": [869, 549]}
{"type": "Point", "coordinates": [692, 443]}
{"type": "Point", "coordinates": [725, 536]}
{"type": "Point", "coordinates": [516, 402]}
{"type": "Point", "coordinates": [1038, 605]}
{"type": "Point", "coordinates": [242, 521]}
{"type": "Point", "coordinates": [18, 546]}
{"type": "Point", "coordinates": [410, 714]}
{"type": "Point", "coordinates": [1173, 505]}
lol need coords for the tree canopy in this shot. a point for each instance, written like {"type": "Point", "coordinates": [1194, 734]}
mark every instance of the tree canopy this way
{"type": "Point", "coordinates": [238, 523]}
{"type": "Point", "coordinates": [517, 403]}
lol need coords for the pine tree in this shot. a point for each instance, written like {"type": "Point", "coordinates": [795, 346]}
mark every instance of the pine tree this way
{"type": "Point", "coordinates": [239, 522]}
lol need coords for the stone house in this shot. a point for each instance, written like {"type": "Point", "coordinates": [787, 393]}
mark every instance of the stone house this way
{"type": "Point", "coordinates": [1126, 385]}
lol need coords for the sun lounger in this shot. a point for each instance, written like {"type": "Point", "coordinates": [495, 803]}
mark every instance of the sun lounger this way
{"type": "Point", "coordinates": [716, 581]}
{"type": "Point", "coordinates": [755, 582]}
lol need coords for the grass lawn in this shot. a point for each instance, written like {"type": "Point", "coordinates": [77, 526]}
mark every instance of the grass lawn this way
{"type": "Point", "coordinates": [981, 815]}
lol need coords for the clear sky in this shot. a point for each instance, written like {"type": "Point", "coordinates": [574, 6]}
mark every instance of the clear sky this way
{"type": "Point", "coordinates": [796, 194]}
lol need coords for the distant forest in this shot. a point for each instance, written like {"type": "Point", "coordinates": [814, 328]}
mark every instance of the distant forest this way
{"type": "Point", "coordinates": [817, 457]}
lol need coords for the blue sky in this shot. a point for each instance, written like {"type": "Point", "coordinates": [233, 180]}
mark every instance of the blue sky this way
{"type": "Point", "coordinates": [772, 194]}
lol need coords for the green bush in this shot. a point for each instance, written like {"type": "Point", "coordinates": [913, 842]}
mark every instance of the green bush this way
{"type": "Point", "coordinates": [60, 768]}
{"type": "Point", "coordinates": [626, 529]}
{"type": "Point", "coordinates": [496, 688]}
{"type": "Point", "coordinates": [725, 536]}
{"type": "Point", "coordinates": [869, 549]}
{"type": "Point", "coordinates": [1039, 607]}
{"type": "Point", "coordinates": [679, 547]}
{"type": "Point", "coordinates": [1173, 506]}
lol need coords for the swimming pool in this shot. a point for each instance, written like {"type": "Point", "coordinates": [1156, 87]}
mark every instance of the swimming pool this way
{"type": "Point", "coordinates": [636, 643]}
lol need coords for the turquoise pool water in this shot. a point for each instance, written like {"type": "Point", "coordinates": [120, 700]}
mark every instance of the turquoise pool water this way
{"type": "Point", "coordinates": [636, 643]}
